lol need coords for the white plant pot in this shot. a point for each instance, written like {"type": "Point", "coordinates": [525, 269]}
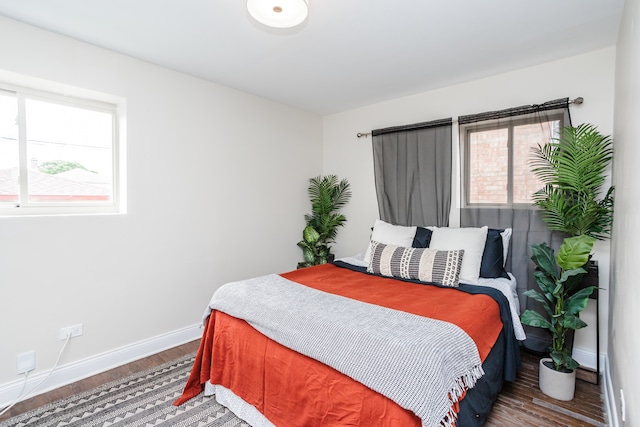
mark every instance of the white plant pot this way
{"type": "Point", "coordinates": [556, 384]}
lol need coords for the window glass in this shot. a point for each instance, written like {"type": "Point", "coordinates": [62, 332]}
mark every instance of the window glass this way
{"type": "Point", "coordinates": [526, 137]}
{"type": "Point", "coordinates": [488, 166]}
{"type": "Point", "coordinates": [497, 159]}
{"type": "Point", "coordinates": [58, 154]}
{"type": "Point", "coordinates": [9, 157]}
{"type": "Point", "coordinates": [69, 153]}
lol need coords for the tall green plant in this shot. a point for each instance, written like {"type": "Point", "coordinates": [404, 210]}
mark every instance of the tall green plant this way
{"type": "Point", "coordinates": [558, 277]}
{"type": "Point", "coordinates": [327, 196]}
{"type": "Point", "coordinates": [572, 169]}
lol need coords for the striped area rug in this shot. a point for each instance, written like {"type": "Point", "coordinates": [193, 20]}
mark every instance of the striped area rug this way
{"type": "Point", "coordinates": [140, 400]}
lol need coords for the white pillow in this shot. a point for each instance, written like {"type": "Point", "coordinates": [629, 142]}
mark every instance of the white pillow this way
{"type": "Point", "coordinates": [471, 239]}
{"type": "Point", "coordinates": [506, 238]}
{"type": "Point", "coordinates": [390, 234]}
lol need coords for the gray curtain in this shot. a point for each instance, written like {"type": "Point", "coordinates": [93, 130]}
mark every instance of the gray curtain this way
{"type": "Point", "coordinates": [412, 167]}
{"type": "Point", "coordinates": [528, 229]}
{"type": "Point", "coordinates": [525, 221]}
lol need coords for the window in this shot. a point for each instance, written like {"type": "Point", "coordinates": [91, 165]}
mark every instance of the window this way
{"type": "Point", "coordinates": [58, 154]}
{"type": "Point", "coordinates": [496, 156]}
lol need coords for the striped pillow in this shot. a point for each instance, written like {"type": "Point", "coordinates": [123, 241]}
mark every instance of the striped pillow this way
{"type": "Point", "coordinates": [424, 264]}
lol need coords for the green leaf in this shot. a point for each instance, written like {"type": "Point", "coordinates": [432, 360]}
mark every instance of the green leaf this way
{"type": "Point", "coordinates": [578, 301]}
{"type": "Point", "coordinates": [532, 318]}
{"type": "Point", "coordinates": [546, 283]}
{"type": "Point", "coordinates": [310, 235]}
{"type": "Point", "coordinates": [544, 260]}
{"type": "Point", "coordinates": [532, 293]}
{"type": "Point", "coordinates": [572, 277]}
{"type": "Point", "coordinates": [571, 321]}
{"type": "Point", "coordinates": [308, 255]}
{"type": "Point", "coordinates": [571, 363]}
{"type": "Point", "coordinates": [573, 281]}
{"type": "Point", "coordinates": [562, 359]}
{"type": "Point", "coordinates": [558, 358]}
{"type": "Point", "coordinates": [574, 252]}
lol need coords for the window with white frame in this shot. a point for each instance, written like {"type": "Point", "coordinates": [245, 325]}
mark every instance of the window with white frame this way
{"type": "Point", "coordinates": [496, 155]}
{"type": "Point", "coordinates": [58, 154]}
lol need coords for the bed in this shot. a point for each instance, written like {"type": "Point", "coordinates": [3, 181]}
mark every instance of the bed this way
{"type": "Point", "coordinates": [360, 343]}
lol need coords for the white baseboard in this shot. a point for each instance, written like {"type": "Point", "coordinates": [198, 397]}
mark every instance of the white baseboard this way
{"type": "Point", "coordinates": [609, 397]}
{"type": "Point", "coordinates": [587, 358]}
{"type": "Point", "coordinates": [78, 370]}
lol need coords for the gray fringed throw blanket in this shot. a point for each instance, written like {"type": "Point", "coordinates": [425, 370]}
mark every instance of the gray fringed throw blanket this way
{"type": "Point", "coordinates": [422, 364]}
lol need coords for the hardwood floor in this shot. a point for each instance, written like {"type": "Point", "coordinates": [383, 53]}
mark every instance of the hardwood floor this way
{"type": "Point", "coordinates": [520, 404]}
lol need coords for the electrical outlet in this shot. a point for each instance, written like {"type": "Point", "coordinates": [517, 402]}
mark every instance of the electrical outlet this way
{"type": "Point", "coordinates": [623, 407]}
{"type": "Point", "coordinates": [26, 362]}
{"type": "Point", "coordinates": [74, 331]}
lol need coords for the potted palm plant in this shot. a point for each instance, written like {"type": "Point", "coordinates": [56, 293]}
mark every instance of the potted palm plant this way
{"type": "Point", "coordinates": [573, 170]}
{"type": "Point", "coordinates": [327, 196]}
{"type": "Point", "coordinates": [558, 277]}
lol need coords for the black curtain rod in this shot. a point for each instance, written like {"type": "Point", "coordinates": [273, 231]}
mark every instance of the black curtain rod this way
{"type": "Point", "coordinates": [414, 126]}
{"type": "Point", "coordinates": [547, 105]}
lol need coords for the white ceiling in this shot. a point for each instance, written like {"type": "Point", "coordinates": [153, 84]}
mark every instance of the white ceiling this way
{"type": "Point", "coordinates": [348, 54]}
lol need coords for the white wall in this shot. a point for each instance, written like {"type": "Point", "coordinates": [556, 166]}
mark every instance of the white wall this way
{"type": "Point", "coordinates": [590, 76]}
{"type": "Point", "coordinates": [217, 185]}
{"type": "Point", "coordinates": [624, 317]}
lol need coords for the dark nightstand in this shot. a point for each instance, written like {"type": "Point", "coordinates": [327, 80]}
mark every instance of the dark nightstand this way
{"type": "Point", "coordinates": [591, 279]}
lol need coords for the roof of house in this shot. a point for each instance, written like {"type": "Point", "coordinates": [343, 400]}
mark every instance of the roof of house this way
{"type": "Point", "coordinates": [62, 184]}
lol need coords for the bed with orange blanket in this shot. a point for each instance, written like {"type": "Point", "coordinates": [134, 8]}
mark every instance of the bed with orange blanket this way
{"type": "Point", "coordinates": [283, 387]}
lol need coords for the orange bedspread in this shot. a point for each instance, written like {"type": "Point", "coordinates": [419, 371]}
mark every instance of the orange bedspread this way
{"type": "Point", "coordinates": [291, 389]}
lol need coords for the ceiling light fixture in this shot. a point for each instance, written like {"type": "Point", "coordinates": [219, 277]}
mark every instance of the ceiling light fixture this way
{"type": "Point", "coordinates": [278, 13]}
